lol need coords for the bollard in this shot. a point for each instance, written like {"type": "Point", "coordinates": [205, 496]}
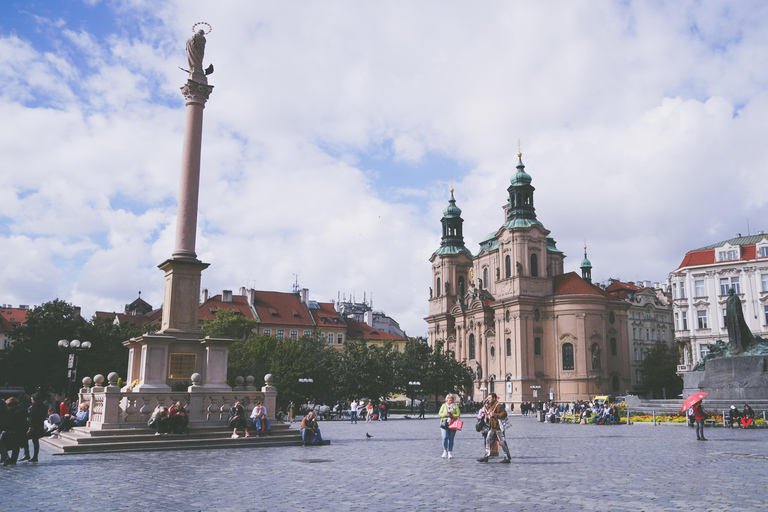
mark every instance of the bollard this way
{"type": "Point", "coordinates": [628, 416]}
{"type": "Point", "coordinates": [654, 417]}
{"type": "Point", "coordinates": [724, 425]}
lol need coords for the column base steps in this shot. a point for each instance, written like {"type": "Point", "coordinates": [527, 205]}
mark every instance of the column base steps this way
{"type": "Point", "coordinates": [82, 440]}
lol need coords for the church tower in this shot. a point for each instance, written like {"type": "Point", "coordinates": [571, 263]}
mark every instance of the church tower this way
{"type": "Point", "coordinates": [451, 265]}
{"type": "Point", "coordinates": [521, 195]}
{"type": "Point", "coordinates": [586, 266]}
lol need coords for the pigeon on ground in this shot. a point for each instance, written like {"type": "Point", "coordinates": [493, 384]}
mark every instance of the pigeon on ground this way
{"type": "Point", "coordinates": [368, 435]}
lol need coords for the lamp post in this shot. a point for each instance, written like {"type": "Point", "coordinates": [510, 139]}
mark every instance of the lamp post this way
{"type": "Point", "coordinates": [414, 385]}
{"type": "Point", "coordinates": [484, 389]}
{"type": "Point", "coordinates": [73, 348]}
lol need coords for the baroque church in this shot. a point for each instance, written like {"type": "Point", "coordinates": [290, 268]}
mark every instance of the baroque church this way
{"type": "Point", "coordinates": [527, 329]}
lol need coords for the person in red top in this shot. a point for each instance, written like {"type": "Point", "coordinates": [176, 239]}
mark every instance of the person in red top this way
{"type": "Point", "coordinates": [63, 408]}
{"type": "Point", "coordinates": [699, 415]}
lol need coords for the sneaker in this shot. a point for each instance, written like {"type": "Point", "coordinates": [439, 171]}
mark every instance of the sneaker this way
{"type": "Point", "coordinates": [450, 455]}
{"type": "Point", "coordinates": [33, 459]}
{"type": "Point", "coordinates": [506, 460]}
{"type": "Point", "coordinates": [26, 457]}
{"type": "Point", "coordinates": [235, 436]}
{"type": "Point", "coordinates": [247, 434]}
{"type": "Point", "coordinates": [483, 459]}
{"type": "Point", "coordinates": [158, 433]}
{"type": "Point", "coordinates": [445, 454]}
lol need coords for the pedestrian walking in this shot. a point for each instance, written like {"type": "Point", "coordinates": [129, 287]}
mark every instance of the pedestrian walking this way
{"type": "Point", "coordinates": [421, 410]}
{"type": "Point", "coordinates": [292, 411]}
{"type": "Point", "coordinates": [700, 416]}
{"type": "Point", "coordinates": [353, 412]}
{"type": "Point", "coordinates": [448, 411]}
{"type": "Point", "coordinates": [495, 415]}
{"type": "Point", "coordinates": [38, 412]}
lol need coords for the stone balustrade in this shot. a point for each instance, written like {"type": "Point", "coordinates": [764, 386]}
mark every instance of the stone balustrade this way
{"type": "Point", "coordinates": [112, 407]}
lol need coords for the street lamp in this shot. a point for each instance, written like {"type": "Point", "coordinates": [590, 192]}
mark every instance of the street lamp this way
{"type": "Point", "coordinates": [413, 384]}
{"type": "Point", "coordinates": [483, 389]}
{"type": "Point", "coordinates": [73, 348]}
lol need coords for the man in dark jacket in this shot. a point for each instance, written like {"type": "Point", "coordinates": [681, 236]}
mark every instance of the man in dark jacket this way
{"type": "Point", "coordinates": [15, 433]}
{"type": "Point", "coordinates": [38, 411]}
{"type": "Point", "coordinates": [4, 413]}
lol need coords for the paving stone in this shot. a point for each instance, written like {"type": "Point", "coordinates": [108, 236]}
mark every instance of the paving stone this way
{"type": "Point", "coordinates": [554, 467]}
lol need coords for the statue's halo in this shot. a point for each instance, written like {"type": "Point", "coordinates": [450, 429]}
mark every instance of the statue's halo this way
{"type": "Point", "coordinates": [194, 27]}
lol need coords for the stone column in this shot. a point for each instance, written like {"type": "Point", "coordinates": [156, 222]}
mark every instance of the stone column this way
{"type": "Point", "coordinates": [270, 396]}
{"type": "Point", "coordinates": [196, 95]}
{"type": "Point", "coordinates": [216, 354]}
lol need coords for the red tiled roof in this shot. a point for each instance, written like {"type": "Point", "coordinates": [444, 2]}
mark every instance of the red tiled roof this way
{"type": "Point", "coordinates": [573, 284]}
{"type": "Point", "coordinates": [326, 315]}
{"type": "Point", "coordinates": [362, 331]}
{"type": "Point", "coordinates": [622, 290]}
{"type": "Point", "coordinates": [699, 257]}
{"type": "Point", "coordinates": [14, 316]}
{"type": "Point", "coordinates": [239, 304]}
{"type": "Point", "coordinates": [281, 308]}
{"type": "Point", "coordinates": [707, 256]}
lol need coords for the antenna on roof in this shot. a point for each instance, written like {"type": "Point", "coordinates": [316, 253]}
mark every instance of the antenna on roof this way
{"type": "Point", "coordinates": [748, 233]}
{"type": "Point", "coordinates": [296, 283]}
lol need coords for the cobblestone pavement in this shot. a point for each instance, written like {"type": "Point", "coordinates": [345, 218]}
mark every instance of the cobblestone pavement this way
{"type": "Point", "coordinates": [554, 467]}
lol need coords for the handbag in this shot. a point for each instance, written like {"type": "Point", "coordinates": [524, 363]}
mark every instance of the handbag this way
{"type": "Point", "coordinates": [480, 426]}
{"type": "Point", "coordinates": [456, 424]}
{"type": "Point", "coordinates": [444, 423]}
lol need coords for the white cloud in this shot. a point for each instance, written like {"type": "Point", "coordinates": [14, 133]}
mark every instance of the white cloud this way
{"type": "Point", "coordinates": [641, 126]}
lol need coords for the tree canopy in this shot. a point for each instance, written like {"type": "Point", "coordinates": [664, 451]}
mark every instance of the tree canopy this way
{"type": "Point", "coordinates": [659, 371]}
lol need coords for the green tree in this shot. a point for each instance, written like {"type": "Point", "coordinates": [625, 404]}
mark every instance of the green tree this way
{"type": "Point", "coordinates": [368, 371]}
{"type": "Point", "coordinates": [229, 324]}
{"type": "Point", "coordinates": [659, 371]}
{"type": "Point", "coordinates": [107, 353]}
{"type": "Point", "coordinates": [444, 374]}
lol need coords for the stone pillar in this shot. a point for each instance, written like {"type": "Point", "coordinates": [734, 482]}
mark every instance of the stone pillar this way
{"type": "Point", "coordinates": [154, 362]}
{"type": "Point", "coordinates": [270, 396]}
{"type": "Point", "coordinates": [216, 353]}
{"type": "Point", "coordinates": [196, 95]}
{"type": "Point", "coordinates": [196, 398]}
{"type": "Point", "coordinates": [134, 361]}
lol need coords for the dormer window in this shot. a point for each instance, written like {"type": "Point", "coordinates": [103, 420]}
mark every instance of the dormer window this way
{"type": "Point", "coordinates": [764, 252]}
{"type": "Point", "coordinates": [323, 320]}
{"type": "Point", "coordinates": [728, 254]}
{"type": "Point", "coordinates": [272, 312]}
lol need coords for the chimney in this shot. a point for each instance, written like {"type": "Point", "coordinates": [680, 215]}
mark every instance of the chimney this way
{"type": "Point", "coordinates": [226, 296]}
{"type": "Point", "coordinates": [242, 291]}
{"type": "Point", "coordinates": [251, 296]}
{"type": "Point", "coordinates": [369, 318]}
{"type": "Point", "coordinates": [304, 296]}
{"type": "Point", "coordinates": [761, 232]}
{"type": "Point", "coordinates": [205, 295]}
{"type": "Point", "coordinates": [23, 306]}
{"type": "Point", "coordinates": [738, 235]}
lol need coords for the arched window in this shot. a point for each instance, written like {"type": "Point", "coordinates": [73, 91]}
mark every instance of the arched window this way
{"type": "Point", "coordinates": [471, 346]}
{"type": "Point", "coordinates": [492, 386]}
{"type": "Point", "coordinates": [509, 347]}
{"type": "Point", "coordinates": [567, 356]}
{"type": "Point", "coordinates": [493, 352]}
{"type": "Point", "coordinates": [615, 383]}
{"type": "Point", "coordinates": [439, 289]}
{"type": "Point", "coordinates": [534, 265]}
{"type": "Point", "coordinates": [614, 350]}
{"type": "Point", "coordinates": [447, 288]}
{"type": "Point", "coordinates": [485, 276]}
{"type": "Point", "coordinates": [507, 266]}
{"type": "Point", "coordinates": [461, 285]}
{"type": "Point", "coordinates": [537, 346]}
{"type": "Point", "coordinates": [507, 315]}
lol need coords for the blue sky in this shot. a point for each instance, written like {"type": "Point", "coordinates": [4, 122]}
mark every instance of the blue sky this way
{"type": "Point", "coordinates": [335, 128]}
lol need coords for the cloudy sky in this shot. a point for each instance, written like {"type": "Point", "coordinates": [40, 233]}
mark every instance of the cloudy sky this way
{"type": "Point", "coordinates": [335, 127]}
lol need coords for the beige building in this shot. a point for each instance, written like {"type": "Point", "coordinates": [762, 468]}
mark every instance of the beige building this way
{"type": "Point", "coordinates": [516, 319]}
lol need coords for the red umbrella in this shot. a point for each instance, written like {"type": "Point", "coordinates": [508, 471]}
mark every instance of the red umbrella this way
{"type": "Point", "coordinates": [692, 400]}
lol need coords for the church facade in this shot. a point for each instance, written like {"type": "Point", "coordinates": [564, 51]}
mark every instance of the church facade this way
{"type": "Point", "coordinates": [526, 328]}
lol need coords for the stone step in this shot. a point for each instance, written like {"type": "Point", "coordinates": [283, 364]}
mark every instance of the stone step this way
{"type": "Point", "coordinates": [82, 440]}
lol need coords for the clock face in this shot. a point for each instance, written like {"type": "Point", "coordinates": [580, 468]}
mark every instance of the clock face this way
{"type": "Point", "coordinates": [471, 275]}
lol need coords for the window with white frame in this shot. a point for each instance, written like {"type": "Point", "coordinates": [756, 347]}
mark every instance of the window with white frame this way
{"type": "Point", "coordinates": [638, 376]}
{"type": "Point", "coordinates": [726, 284]}
{"type": "Point", "coordinates": [307, 333]}
{"type": "Point", "coordinates": [294, 335]}
{"type": "Point", "coordinates": [685, 320]}
{"type": "Point", "coordinates": [682, 290]}
{"type": "Point", "coordinates": [764, 252]}
{"type": "Point", "coordinates": [677, 321]}
{"type": "Point", "coordinates": [634, 333]}
{"type": "Point", "coordinates": [766, 314]}
{"type": "Point", "coordinates": [267, 331]}
{"type": "Point", "coordinates": [728, 255]}
{"type": "Point", "coordinates": [647, 335]}
{"type": "Point", "coordinates": [699, 287]}
{"type": "Point", "coordinates": [701, 319]}
{"type": "Point", "coordinates": [280, 333]}
{"type": "Point", "coordinates": [764, 281]}
{"type": "Point", "coordinates": [340, 339]}
{"type": "Point", "coordinates": [725, 313]}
